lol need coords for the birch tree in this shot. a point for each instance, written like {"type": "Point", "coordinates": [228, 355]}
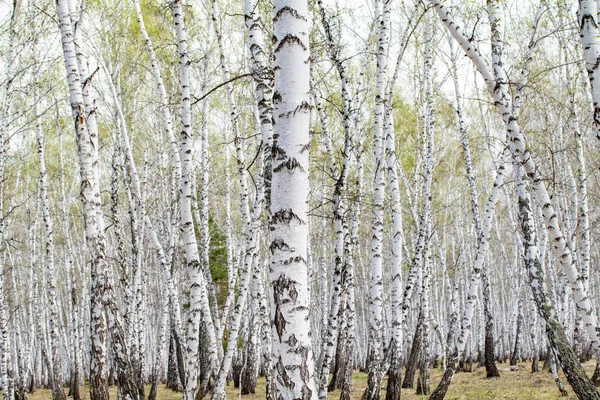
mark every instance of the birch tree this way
{"type": "Point", "coordinates": [90, 198]}
{"type": "Point", "coordinates": [56, 378]}
{"type": "Point", "coordinates": [198, 291]}
{"type": "Point", "coordinates": [376, 272]}
{"type": "Point", "coordinates": [5, 350]}
{"type": "Point", "coordinates": [587, 18]}
{"type": "Point", "coordinates": [292, 352]}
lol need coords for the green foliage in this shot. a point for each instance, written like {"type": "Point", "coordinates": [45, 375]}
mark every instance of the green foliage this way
{"type": "Point", "coordinates": [217, 259]}
{"type": "Point", "coordinates": [406, 125]}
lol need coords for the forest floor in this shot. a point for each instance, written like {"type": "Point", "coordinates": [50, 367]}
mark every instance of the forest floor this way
{"type": "Point", "coordinates": [512, 385]}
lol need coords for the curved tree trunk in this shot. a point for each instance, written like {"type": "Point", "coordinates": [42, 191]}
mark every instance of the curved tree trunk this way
{"type": "Point", "coordinates": [581, 384]}
{"type": "Point", "coordinates": [515, 354]}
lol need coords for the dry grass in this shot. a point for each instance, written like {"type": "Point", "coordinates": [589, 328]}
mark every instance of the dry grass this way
{"type": "Point", "coordinates": [512, 385]}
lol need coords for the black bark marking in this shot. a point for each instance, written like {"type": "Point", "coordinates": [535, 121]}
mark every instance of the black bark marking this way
{"type": "Point", "coordinates": [293, 292]}
{"type": "Point", "coordinates": [291, 164]}
{"type": "Point", "coordinates": [294, 260]}
{"type": "Point", "coordinates": [285, 216]}
{"type": "Point", "coordinates": [277, 153]}
{"type": "Point", "coordinates": [292, 341]}
{"type": "Point", "coordinates": [306, 392]}
{"type": "Point", "coordinates": [291, 11]}
{"type": "Point", "coordinates": [279, 321]}
{"type": "Point", "coordinates": [304, 106]}
{"type": "Point", "coordinates": [291, 39]}
{"type": "Point", "coordinates": [280, 286]}
{"type": "Point", "coordinates": [279, 244]}
{"type": "Point", "coordinates": [585, 18]}
{"type": "Point", "coordinates": [282, 375]}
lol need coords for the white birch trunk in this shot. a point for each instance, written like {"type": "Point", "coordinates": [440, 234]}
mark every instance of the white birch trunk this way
{"type": "Point", "coordinates": [249, 222]}
{"type": "Point", "coordinates": [72, 271]}
{"type": "Point", "coordinates": [263, 85]}
{"type": "Point", "coordinates": [393, 387]}
{"type": "Point", "coordinates": [198, 291]}
{"type": "Point", "coordinates": [5, 349]}
{"type": "Point", "coordinates": [90, 197]}
{"type": "Point", "coordinates": [376, 270]}
{"type": "Point", "coordinates": [339, 221]}
{"type": "Point", "coordinates": [292, 352]}
{"type": "Point", "coordinates": [587, 17]}
{"type": "Point", "coordinates": [581, 173]}
{"type": "Point", "coordinates": [57, 386]}
{"type": "Point", "coordinates": [5, 357]}
{"type": "Point", "coordinates": [581, 384]}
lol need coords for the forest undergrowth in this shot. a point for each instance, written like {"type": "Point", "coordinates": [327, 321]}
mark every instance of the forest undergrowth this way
{"type": "Point", "coordinates": [512, 385]}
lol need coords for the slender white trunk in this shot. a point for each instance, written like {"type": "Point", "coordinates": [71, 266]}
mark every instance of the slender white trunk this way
{"type": "Point", "coordinates": [5, 351]}
{"type": "Point", "coordinates": [583, 222]}
{"type": "Point", "coordinates": [57, 391]}
{"type": "Point", "coordinates": [353, 246]}
{"type": "Point", "coordinates": [263, 84]}
{"type": "Point", "coordinates": [197, 285]}
{"type": "Point", "coordinates": [423, 383]}
{"type": "Point", "coordinates": [396, 337]}
{"type": "Point", "coordinates": [5, 360]}
{"type": "Point", "coordinates": [249, 223]}
{"type": "Point", "coordinates": [376, 270]}
{"type": "Point", "coordinates": [72, 271]}
{"type": "Point", "coordinates": [587, 17]}
{"type": "Point", "coordinates": [339, 220]}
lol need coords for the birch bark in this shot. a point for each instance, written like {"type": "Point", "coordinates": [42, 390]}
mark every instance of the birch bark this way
{"type": "Point", "coordinates": [292, 353]}
{"type": "Point", "coordinates": [197, 285]}
{"type": "Point", "coordinates": [56, 378]}
{"type": "Point", "coordinates": [587, 17]}
{"type": "Point", "coordinates": [5, 352]}
{"type": "Point", "coordinates": [376, 269]}
{"type": "Point", "coordinates": [263, 86]}
{"type": "Point", "coordinates": [90, 196]}
{"type": "Point", "coordinates": [340, 225]}
{"type": "Point", "coordinates": [393, 385]}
